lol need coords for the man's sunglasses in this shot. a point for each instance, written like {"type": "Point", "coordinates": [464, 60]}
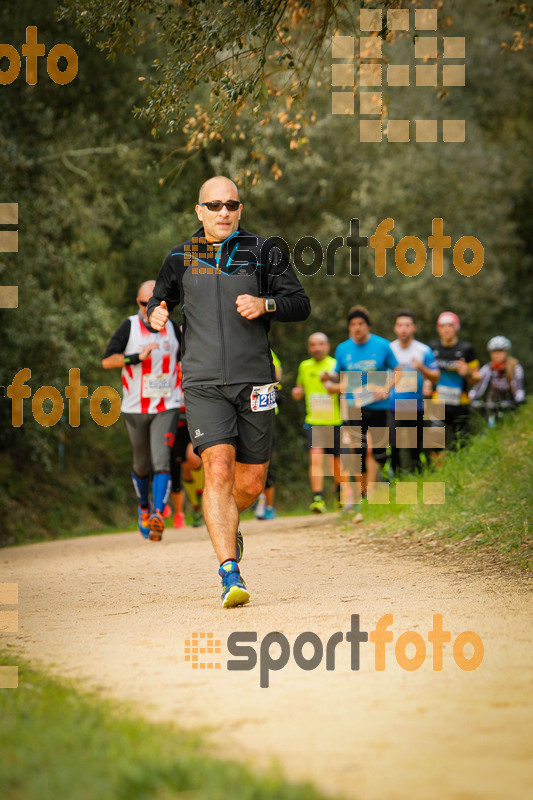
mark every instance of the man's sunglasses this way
{"type": "Point", "coordinates": [142, 303]}
{"type": "Point", "coordinates": [217, 205]}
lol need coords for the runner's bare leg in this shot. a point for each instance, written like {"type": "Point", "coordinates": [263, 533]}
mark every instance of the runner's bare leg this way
{"type": "Point", "coordinates": [229, 488]}
{"type": "Point", "coordinates": [249, 482]}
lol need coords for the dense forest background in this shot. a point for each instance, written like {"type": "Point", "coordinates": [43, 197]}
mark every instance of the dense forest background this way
{"type": "Point", "coordinates": [102, 199]}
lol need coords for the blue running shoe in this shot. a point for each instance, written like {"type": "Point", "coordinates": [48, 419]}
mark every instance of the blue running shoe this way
{"type": "Point", "coordinates": [270, 513]}
{"type": "Point", "coordinates": [234, 592]}
{"type": "Point", "coordinates": [144, 521]}
{"type": "Point", "coordinates": [240, 546]}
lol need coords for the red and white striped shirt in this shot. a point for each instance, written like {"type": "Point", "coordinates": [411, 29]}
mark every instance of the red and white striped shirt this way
{"type": "Point", "coordinates": [153, 385]}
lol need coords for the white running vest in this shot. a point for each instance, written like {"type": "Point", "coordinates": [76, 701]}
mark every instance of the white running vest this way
{"type": "Point", "coordinates": [153, 385]}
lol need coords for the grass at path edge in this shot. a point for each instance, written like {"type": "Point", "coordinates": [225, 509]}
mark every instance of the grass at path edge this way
{"type": "Point", "coordinates": [488, 491]}
{"type": "Point", "coordinates": [57, 742]}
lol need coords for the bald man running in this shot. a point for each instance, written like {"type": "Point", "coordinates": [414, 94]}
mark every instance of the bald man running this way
{"type": "Point", "coordinates": [230, 285]}
{"type": "Point", "coordinates": [151, 400]}
{"type": "Point", "coordinates": [322, 418]}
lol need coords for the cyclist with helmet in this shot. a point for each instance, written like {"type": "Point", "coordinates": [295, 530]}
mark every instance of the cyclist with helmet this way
{"type": "Point", "coordinates": [501, 383]}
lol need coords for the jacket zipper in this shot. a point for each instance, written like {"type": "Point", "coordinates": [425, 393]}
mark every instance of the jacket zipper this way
{"type": "Point", "coordinates": [219, 304]}
{"type": "Point", "coordinates": [220, 320]}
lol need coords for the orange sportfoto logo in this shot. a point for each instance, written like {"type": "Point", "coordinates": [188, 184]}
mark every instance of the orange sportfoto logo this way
{"type": "Point", "coordinates": [202, 644]}
{"type": "Point", "coordinates": [31, 51]}
{"type": "Point", "coordinates": [274, 650]}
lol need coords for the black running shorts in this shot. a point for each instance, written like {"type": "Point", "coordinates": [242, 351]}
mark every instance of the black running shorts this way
{"type": "Point", "coordinates": [376, 418]}
{"type": "Point", "coordinates": [179, 454]}
{"type": "Point", "coordinates": [223, 415]}
{"type": "Point", "coordinates": [456, 424]}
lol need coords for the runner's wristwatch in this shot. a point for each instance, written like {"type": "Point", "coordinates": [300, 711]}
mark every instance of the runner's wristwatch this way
{"type": "Point", "coordinates": [270, 304]}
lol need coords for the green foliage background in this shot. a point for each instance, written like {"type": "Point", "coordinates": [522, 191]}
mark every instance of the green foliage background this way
{"type": "Point", "coordinates": [101, 202]}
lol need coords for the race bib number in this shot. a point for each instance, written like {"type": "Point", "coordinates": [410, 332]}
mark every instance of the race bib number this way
{"type": "Point", "coordinates": [263, 398]}
{"type": "Point", "coordinates": [155, 386]}
{"type": "Point", "coordinates": [451, 395]}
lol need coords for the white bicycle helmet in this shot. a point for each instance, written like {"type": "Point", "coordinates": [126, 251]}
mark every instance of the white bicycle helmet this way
{"type": "Point", "coordinates": [499, 343]}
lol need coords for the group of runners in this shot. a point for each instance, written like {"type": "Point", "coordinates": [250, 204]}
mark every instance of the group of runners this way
{"type": "Point", "coordinates": [199, 401]}
{"type": "Point", "coordinates": [380, 408]}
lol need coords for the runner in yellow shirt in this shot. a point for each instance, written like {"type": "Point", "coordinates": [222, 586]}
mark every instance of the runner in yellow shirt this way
{"type": "Point", "coordinates": [322, 419]}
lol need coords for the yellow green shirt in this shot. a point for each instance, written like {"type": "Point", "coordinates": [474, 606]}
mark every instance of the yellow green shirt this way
{"type": "Point", "coordinates": [275, 360]}
{"type": "Point", "coordinates": [321, 408]}
{"type": "Point", "coordinates": [277, 366]}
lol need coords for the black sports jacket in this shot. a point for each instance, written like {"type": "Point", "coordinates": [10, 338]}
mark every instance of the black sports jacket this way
{"type": "Point", "coordinates": [218, 345]}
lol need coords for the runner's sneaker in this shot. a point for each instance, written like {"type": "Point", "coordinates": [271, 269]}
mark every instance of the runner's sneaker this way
{"type": "Point", "coordinates": [387, 472]}
{"type": "Point", "coordinates": [240, 546]}
{"type": "Point", "coordinates": [359, 509]}
{"type": "Point", "coordinates": [197, 518]}
{"type": "Point", "coordinates": [144, 521]}
{"type": "Point", "coordinates": [167, 512]}
{"type": "Point", "coordinates": [234, 591]}
{"type": "Point", "coordinates": [179, 520]}
{"type": "Point", "coordinates": [260, 506]}
{"type": "Point", "coordinates": [157, 526]}
{"type": "Point", "coordinates": [318, 505]}
{"type": "Point", "coordinates": [270, 513]}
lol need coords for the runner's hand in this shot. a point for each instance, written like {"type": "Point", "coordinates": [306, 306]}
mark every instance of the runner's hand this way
{"type": "Point", "coordinates": [145, 352]}
{"type": "Point", "coordinates": [462, 367]}
{"type": "Point", "coordinates": [250, 307]}
{"type": "Point", "coordinates": [159, 316]}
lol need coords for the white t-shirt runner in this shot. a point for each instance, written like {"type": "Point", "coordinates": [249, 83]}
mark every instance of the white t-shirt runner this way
{"type": "Point", "coordinates": [411, 383]}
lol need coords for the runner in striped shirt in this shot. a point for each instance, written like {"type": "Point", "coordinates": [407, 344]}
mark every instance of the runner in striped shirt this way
{"type": "Point", "coordinates": [151, 400]}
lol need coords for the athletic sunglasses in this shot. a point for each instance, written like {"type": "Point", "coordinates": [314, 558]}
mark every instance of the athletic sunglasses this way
{"type": "Point", "coordinates": [217, 205]}
{"type": "Point", "coordinates": [142, 303]}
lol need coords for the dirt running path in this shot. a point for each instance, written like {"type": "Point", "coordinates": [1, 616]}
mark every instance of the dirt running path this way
{"type": "Point", "coordinates": [115, 611]}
